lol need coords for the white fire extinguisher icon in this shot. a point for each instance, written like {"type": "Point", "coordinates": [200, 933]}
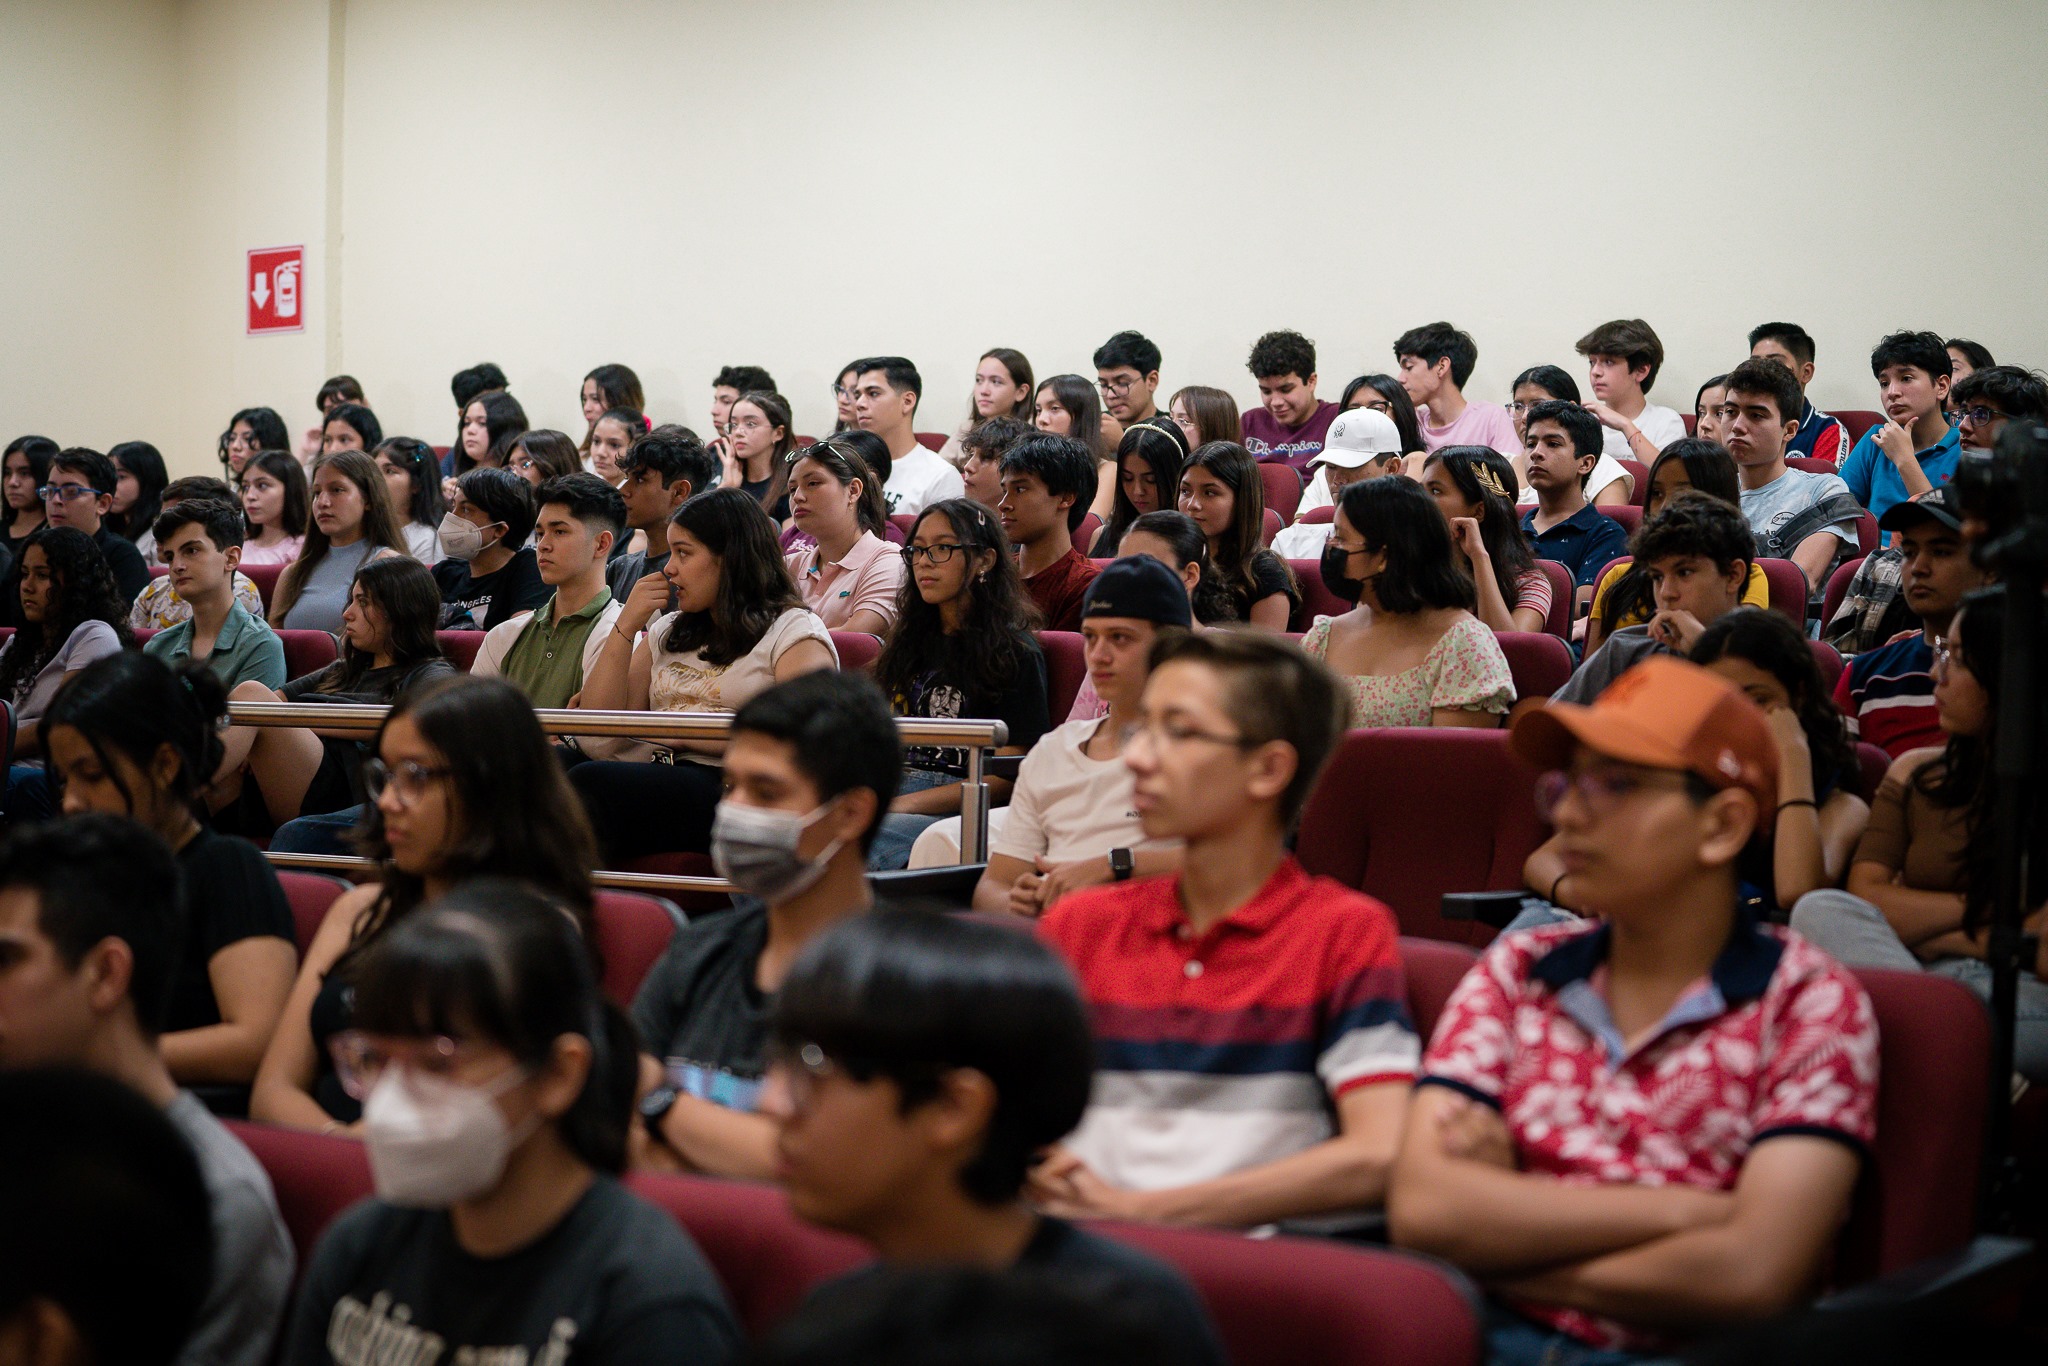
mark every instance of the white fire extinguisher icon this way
{"type": "Point", "coordinates": [288, 289]}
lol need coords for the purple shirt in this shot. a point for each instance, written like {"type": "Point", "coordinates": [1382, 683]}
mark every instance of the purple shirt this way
{"type": "Point", "coordinates": [1267, 440]}
{"type": "Point", "coordinates": [1481, 424]}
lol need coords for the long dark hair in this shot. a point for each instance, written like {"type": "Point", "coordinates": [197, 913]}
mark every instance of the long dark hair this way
{"type": "Point", "coordinates": [285, 468]}
{"type": "Point", "coordinates": [1160, 443]}
{"type": "Point", "coordinates": [1709, 469]}
{"type": "Point", "coordinates": [404, 591]}
{"type": "Point", "coordinates": [504, 421]}
{"type": "Point", "coordinates": [265, 425]}
{"type": "Point", "coordinates": [553, 451]}
{"type": "Point", "coordinates": [135, 703]}
{"type": "Point", "coordinates": [1079, 397]}
{"type": "Point", "coordinates": [380, 528]}
{"type": "Point", "coordinates": [1500, 530]}
{"type": "Point", "coordinates": [842, 459]}
{"type": "Point", "coordinates": [1772, 643]}
{"type": "Point", "coordinates": [1400, 407]}
{"type": "Point", "coordinates": [1393, 515]}
{"type": "Point", "coordinates": [423, 468]}
{"type": "Point", "coordinates": [774, 409]}
{"type": "Point", "coordinates": [754, 587]}
{"type": "Point", "coordinates": [85, 592]}
{"type": "Point", "coordinates": [988, 652]}
{"type": "Point", "coordinates": [1230, 558]}
{"type": "Point", "coordinates": [495, 959]}
{"type": "Point", "coordinates": [1213, 411]}
{"type": "Point", "coordinates": [617, 387]}
{"type": "Point", "coordinates": [358, 419]}
{"type": "Point", "coordinates": [1190, 547]}
{"type": "Point", "coordinates": [146, 463]}
{"type": "Point", "coordinates": [485, 731]}
{"type": "Point", "coordinates": [1020, 374]}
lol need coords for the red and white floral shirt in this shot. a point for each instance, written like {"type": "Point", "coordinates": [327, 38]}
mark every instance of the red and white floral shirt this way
{"type": "Point", "coordinates": [1777, 1039]}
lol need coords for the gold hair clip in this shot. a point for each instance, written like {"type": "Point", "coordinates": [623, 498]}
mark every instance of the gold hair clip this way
{"type": "Point", "coordinates": [1488, 480]}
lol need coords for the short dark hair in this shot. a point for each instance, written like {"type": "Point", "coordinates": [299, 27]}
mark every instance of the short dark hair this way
{"type": "Point", "coordinates": [991, 439]}
{"type": "Point", "coordinates": [1634, 340]}
{"type": "Point", "coordinates": [2017, 392]}
{"type": "Point", "coordinates": [1789, 335]}
{"type": "Point", "coordinates": [674, 452]}
{"type": "Point", "coordinates": [1391, 514]}
{"type": "Point", "coordinates": [477, 379]}
{"type": "Point", "coordinates": [1062, 464]}
{"type": "Point", "coordinates": [1581, 426]}
{"type": "Point", "coordinates": [840, 729]}
{"type": "Point", "coordinates": [589, 499]}
{"type": "Point", "coordinates": [1922, 350]}
{"type": "Point", "coordinates": [1551, 379]}
{"type": "Point", "coordinates": [746, 379]}
{"type": "Point", "coordinates": [1282, 353]}
{"type": "Point", "coordinates": [346, 388]}
{"type": "Point", "coordinates": [360, 418]}
{"type": "Point", "coordinates": [908, 994]}
{"type": "Point", "coordinates": [1771, 379]}
{"type": "Point", "coordinates": [1273, 692]}
{"type": "Point", "coordinates": [505, 496]}
{"type": "Point", "coordinates": [1695, 523]}
{"type": "Point", "coordinates": [1437, 341]}
{"type": "Point", "coordinates": [108, 1216]}
{"type": "Point", "coordinates": [197, 486]}
{"type": "Point", "coordinates": [900, 373]}
{"type": "Point", "coordinates": [1978, 354]}
{"type": "Point", "coordinates": [1133, 349]}
{"type": "Point", "coordinates": [1708, 468]}
{"type": "Point", "coordinates": [98, 877]}
{"type": "Point", "coordinates": [220, 519]}
{"type": "Point", "coordinates": [89, 464]}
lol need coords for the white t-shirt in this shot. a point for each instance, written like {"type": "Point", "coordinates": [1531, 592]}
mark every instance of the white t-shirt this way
{"type": "Point", "coordinates": [1662, 425]}
{"type": "Point", "coordinates": [1067, 806]}
{"type": "Point", "coordinates": [1303, 540]}
{"type": "Point", "coordinates": [1606, 470]}
{"type": "Point", "coordinates": [1316, 495]}
{"type": "Point", "coordinates": [918, 480]}
{"type": "Point", "coordinates": [686, 682]}
{"type": "Point", "coordinates": [423, 543]}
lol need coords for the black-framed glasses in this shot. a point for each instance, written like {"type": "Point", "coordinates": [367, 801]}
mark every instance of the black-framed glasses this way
{"type": "Point", "coordinates": [1978, 415]}
{"type": "Point", "coordinates": [68, 493]}
{"type": "Point", "coordinates": [408, 781]}
{"type": "Point", "coordinates": [1115, 388]}
{"type": "Point", "coordinates": [930, 554]}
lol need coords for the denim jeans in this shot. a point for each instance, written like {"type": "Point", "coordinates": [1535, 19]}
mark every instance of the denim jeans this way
{"type": "Point", "coordinates": [891, 849]}
{"type": "Point", "coordinates": [1512, 1340]}
{"type": "Point", "coordinates": [325, 834]}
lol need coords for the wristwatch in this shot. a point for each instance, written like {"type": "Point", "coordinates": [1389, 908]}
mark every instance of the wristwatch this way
{"type": "Point", "coordinates": [655, 1105]}
{"type": "Point", "coordinates": [1120, 865]}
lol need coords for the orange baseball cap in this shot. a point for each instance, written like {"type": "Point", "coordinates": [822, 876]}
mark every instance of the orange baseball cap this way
{"type": "Point", "coordinates": [1664, 713]}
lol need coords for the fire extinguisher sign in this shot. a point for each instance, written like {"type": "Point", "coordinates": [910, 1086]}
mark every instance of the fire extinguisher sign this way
{"type": "Point", "coordinates": [275, 290]}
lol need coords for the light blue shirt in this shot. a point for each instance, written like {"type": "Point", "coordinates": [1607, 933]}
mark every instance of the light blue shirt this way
{"type": "Point", "coordinates": [1876, 481]}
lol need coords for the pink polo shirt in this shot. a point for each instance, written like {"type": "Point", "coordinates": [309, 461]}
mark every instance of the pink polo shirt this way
{"type": "Point", "coordinates": [869, 577]}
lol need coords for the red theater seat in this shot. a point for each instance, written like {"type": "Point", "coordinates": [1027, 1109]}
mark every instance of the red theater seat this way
{"type": "Point", "coordinates": [1630, 517]}
{"type": "Point", "coordinates": [1559, 622]}
{"type": "Point", "coordinates": [1066, 669]}
{"type": "Point", "coordinates": [1407, 815]}
{"type": "Point", "coordinates": [1085, 534]}
{"type": "Point", "coordinates": [1639, 481]}
{"type": "Point", "coordinates": [1838, 588]}
{"type": "Point", "coordinates": [1868, 536]}
{"type": "Point", "coordinates": [1872, 763]}
{"type": "Point", "coordinates": [931, 441]}
{"type": "Point", "coordinates": [1433, 969]}
{"type": "Point", "coordinates": [630, 930]}
{"type": "Point", "coordinates": [307, 651]}
{"type": "Point", "coordinates": [311, 896]}
{"type": "Point", "coordinates": [858, 650]}
{"type": "Point", "coordinates": [1856, 421]}
{"type": "Point", "coordinates": [1788, 588]}
{"type": "Point", "coordinates": [1283, 489]}
{"type": "Point", "coordinates": [264, 576]}
{"type": "Point", "coordinates": [678, 864]}
{"type": "Point", "coordinates": [1827, 661]}
{"type": "Point", "coordinates": [316, 1177]}
{"type": "Point", "coordinates": [1270, 527]}
{"type": "Point", "coordinates": [1316, 600]}
{"type": "Point", "coordinates": [1540, 662]}
{"type": "Point", "coordinates": [1809, 464]}
{"type": "Point", "coordinates": [1327, 513]}
{"type": "Point", "coordinates": [461, 647]}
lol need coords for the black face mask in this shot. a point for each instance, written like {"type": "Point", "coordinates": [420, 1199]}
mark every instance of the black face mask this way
{"type": "Point", "coordinates": [1332, 569]}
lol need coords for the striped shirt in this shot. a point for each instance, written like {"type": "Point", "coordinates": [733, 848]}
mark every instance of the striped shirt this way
{"type": "Point", "coordinates": [1887, 696]}
{"type": "Point", "coordinates": [1226, 1049]}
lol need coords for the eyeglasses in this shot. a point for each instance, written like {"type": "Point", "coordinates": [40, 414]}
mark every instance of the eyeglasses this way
{"type": "Point", "coordinates": [1349, 550]}
{"type": "Point", "coordinates": [408, 781]}
{"type": "Point", "coordinates": [66, 493]}
{"type": "Point", "coordinates": [1977, 415]}
{"type": "Point", "coordinates": [238, 439]}
{"type": "Point", "coordinates": [841, 392]}
{"type": "Point", "coordinates": [521, 464]}
{"type": "Point", "coordinates": [1601, 789]}
{"type": "Point", "coordinates": [803, 1067]}
{"type": "Point", "coordinates": [359, 1065]}
{"type": "Point", "coordinates": [931, 554]}
{"type": "Point", "coordinates": [1115, 388]}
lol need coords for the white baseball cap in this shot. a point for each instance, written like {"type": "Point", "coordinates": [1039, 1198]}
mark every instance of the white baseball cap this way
{"type": "Point", "coordinates": [1358, 436]}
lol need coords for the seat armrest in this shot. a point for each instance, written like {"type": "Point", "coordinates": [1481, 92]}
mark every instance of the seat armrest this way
{"type": "Point", "coordinates": [1981, 1271]}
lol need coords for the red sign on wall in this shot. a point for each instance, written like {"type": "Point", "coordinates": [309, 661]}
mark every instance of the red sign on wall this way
{"type": "Point", "coordinates": [276, 290]}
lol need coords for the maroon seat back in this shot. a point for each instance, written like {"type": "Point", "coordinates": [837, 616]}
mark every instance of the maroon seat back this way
{"type": "Point", "coordinates": [1559, 622]}
{"type": "Point", "coordinates": [1318, 516]}
{"type": "Point", "coordinates": [630, 930]}
{"type": "Point", "coordinates": [1433, 969]}
{"type": "Point", "coordinates": [1917, 1198]}
{"type": "Point", "coordinates": [1872, 763]}
{"type": "Point", "coordinates": [931, 441]}
{"type": "Point", "coordinates": [1316, 599]}
{"type": "Point", "coordinates": [311, 896]}
{"type": "Point", "coordinates": [1085, 534]}
{"type": "Point", "coordinates": [461, 647]}
{"type": "Point", "coordinates": [1788, 588]}
{"type": "Point", "coordinates": [858, 650]}
{"type": "Point", "coordinates": [1540, 662]}
{"type": "Point", "coordinates": [1639, 480]}
{"type": "Point", "coordinates": [1066, 669]}
{"type": "Point", "coordinates": [1838, 588]}
{"type": "Point", "coordinates": [1629, 518]}
{"type": "Point", "coordinates": [264, 576]}
{"type": "Point", "coordinates": [1828, 660]}
{"type": "Point", "coordinates": [903, 522]}
{"type": "Point", "coordinates": [1409, 814]}
{"type": "Point", "coordinates": [1269, 525]}
{"type": "Point", "coordinates": [1283, 489]}
{"type": "Point", "coordinates": [1868, 537]}
{"type": "Point", "coordinates": [1692, 423]}
{"type": "Point", "coordinates": [894, 534]}
{"type": "Point", "coordinates": [1811, 464]}
{"type": "Point", "coordinates": [307, 652]}
{"type": "Point", "coordinates": [678, 864]}
{"type": "Point", "coordinates": [1856, 421]}
{"type": "Point", "coordinates": [316, 1177]}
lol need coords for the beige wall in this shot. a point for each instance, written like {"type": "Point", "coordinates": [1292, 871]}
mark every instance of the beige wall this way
{"type": "Point", "coordinates": [676, 186]}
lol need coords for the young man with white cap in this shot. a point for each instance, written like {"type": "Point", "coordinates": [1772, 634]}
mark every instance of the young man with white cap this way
{"type": "Point", "coordinates": [1361, 444]}
{"type": "Point", "coordinates": [1547, 1150]}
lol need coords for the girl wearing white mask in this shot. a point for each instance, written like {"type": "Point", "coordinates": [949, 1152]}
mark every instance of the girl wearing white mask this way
{"type": "Point", "coordinates": [445, 758]}
{"type": "Point", "coordinates": [497, 1089]}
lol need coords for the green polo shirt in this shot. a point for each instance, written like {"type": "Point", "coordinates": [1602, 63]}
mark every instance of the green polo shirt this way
{"type": "Point", "coordinates": [546, 662]}
{"type": "Point", "coordinates": [246, 648]}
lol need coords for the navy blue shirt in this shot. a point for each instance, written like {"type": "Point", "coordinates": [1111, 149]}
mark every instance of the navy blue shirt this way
{"type": "Point", "coordinates": [1584, 542]}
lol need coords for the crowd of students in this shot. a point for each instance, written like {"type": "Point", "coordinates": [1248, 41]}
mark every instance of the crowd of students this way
{"type": "Point", "coordinates": [1199, 1031]}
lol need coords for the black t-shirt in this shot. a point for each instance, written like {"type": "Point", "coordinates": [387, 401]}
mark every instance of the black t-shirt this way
{"type": "Point", "coordinates": [616, 1281]}
{"type": "Point", "coordinates": [701, 1014]}
{"type": "Point", "coordinates": [376, 688]}
{"type": "Point", "coordinates": [1021, 705]}
{"type": "Point", "coordinates": [1271, 574]}
{"type": "Point", "coordinates": [1125, 1275]}
{"type": "Point", "coordinates": [124, 561]}
{"type": "Point", "coordinates": [231, 894]}
{"type": "Point", "coordinates": [472, 603]}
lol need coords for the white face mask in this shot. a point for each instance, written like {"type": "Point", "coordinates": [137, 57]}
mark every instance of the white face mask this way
{"type": "Point", "coordinates": [755, 849]}
{"type": "Point", "coordinates": [461, 539]}
{"type": "Point", "coordinates": [435, 1143]}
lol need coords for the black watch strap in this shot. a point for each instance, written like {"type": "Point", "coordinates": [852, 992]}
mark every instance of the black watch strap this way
{"type": "Point", "coordinates": [1121, 865]}
{"type": "Point", "coordinates": [655, 1105]}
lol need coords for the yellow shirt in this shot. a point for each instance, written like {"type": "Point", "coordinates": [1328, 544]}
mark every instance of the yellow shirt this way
{"type": "Point", "coordinates": [1755, 593]}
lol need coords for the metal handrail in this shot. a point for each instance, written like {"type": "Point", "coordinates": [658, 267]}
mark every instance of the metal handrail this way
{"type": "Point", "coordinates": [660, 884]}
